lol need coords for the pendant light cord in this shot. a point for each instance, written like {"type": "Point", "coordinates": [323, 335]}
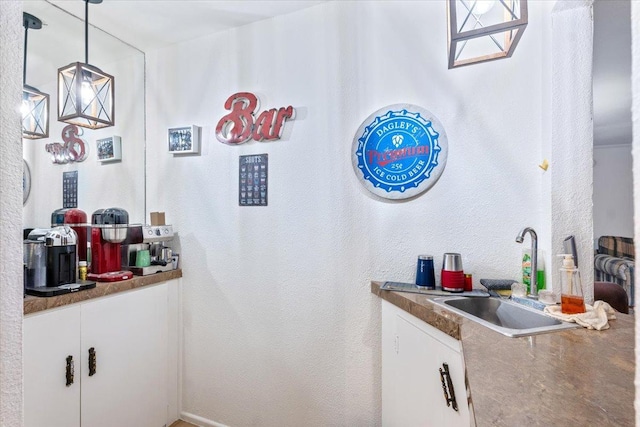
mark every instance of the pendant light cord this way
{"type": "Point", "coordinates": [86, 31]}
{"type": "Point", "coordinates": [24, 59]}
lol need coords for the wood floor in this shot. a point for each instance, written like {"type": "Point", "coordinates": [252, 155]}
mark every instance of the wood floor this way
{"type": "Point", "coordinates": [181, 423]}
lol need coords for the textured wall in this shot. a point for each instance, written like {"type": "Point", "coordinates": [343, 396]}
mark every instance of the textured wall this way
{"type": "Point", "coordinates": [10, 214]}
{"type": "Point", "coordinates": [572, 134]}
{"type": "Point", "coordinates": [612, 191]}
{"type": "Point", "coordinates": [279, 325]}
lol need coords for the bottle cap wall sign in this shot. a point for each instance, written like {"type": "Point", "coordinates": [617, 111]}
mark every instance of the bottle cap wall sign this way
{"type": "Point", "coordinates": [399, 151]}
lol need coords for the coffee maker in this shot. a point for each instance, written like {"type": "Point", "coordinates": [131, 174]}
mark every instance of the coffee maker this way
{"type": "Point", "coordinates": [77, 220]}
{"type": "Point", "coordinates": [51, 260]}
{"type": "Point", "coordinates": [35, 259]}
{"type": "Point", "coordinates": [62, 263]}
{"type": "Point", "coordinates": [154, 238]}
{"type": "Point", "coordinates": [108, 230]}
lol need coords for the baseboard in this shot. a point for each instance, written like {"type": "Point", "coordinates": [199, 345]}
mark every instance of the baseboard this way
{"type": "Point", "coordinates": [199, 421]}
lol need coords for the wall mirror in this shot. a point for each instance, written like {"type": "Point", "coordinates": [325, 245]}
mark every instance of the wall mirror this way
{"type": "Point", "coordinates": [101, 184]}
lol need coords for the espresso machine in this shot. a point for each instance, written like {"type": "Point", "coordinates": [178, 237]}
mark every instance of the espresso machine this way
{"type": "Point", "coordinates": [153, 238]}
{"type": "Point", "coordinates": [77, 220]}
{"type": "Point", "coordinates": [35, 259]}
{"type": "Point", "coordinates": [62, 262]}
{"type": "Point", "coordinates": [108, 230]}
{"type": "Point", "coordinates": [51, 259]}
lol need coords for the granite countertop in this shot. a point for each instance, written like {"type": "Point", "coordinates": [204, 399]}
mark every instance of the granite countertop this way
{"type": "Point", "coordinates": [576, 377]}
{"type": "Point", "coordinates": [33, 304]}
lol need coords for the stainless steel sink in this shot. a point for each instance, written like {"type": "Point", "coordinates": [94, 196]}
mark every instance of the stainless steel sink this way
{"type": "Point", "coordinates": [503, 316]}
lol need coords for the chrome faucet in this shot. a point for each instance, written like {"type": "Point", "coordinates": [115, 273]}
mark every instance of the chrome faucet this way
{"type": "Point", "coordinates": [534, 259]}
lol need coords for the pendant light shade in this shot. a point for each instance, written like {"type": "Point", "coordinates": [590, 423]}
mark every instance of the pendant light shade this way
{"type": "Point", "coordinates": [484, 30]}
{"type": "Point", "coordinates": [35, 104]}
{"type": "Point", "coordinates": [86, 93]}
{"type": "Point", "coordinates": [85, 96]}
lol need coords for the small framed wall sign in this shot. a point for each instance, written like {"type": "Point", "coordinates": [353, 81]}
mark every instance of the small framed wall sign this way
{"type": "Point", "coordinates": [70, 189]}
{"type": "Point", "coordinates": [184, 140]}
{"type": "Point", "coordinates": [254, 174]}
{"type": "Point", "coordinates": [109, 149]}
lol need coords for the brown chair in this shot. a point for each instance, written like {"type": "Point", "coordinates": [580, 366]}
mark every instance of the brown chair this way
{"type": "Point", "coordinates": [613, 294]}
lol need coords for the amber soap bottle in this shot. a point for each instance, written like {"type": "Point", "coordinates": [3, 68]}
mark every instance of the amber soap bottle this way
{"type": "Point", "coordinates": [571, 296]}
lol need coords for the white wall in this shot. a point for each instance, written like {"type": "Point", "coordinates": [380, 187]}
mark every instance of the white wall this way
{"type": "Point", "coordinates": [612, 191]}
{"type": "Point", "coordinates": [280, 327]}
{"type": "Point", "coordinates": [571, 123]}
{"type": "Point", "coordinates": [10, 210]}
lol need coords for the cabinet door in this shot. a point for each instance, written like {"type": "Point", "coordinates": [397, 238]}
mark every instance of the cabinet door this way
{"type": "Point", "coordinates": [49, 339]}
{"type": "Point", "coordinates": [129, 335]}
{"type": "Point", "coordinates": [390, 382]}
{"type": "Point", "coordinates": [413, 353]}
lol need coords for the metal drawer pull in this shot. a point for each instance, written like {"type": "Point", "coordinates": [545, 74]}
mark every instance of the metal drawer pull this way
{"type": "Point", "coordinates": [447, 387]}
{"type": "Point", "coordinates": [69, 370]}
{"type": "Point", "coordinates": [92, 361]}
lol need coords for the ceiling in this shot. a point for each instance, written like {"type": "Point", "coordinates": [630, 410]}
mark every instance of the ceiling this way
{"type": "Point", "coordinates": [150, 24]}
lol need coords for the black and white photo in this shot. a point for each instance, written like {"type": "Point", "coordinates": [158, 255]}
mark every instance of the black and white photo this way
{"type": "Point", "coordinates": [184, 140]}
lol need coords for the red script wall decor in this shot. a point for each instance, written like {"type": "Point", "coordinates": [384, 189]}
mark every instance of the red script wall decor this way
{"type": "Point", "coordinates": [241, 124]}
{"type": "Point", "coordinates": [73, 150]}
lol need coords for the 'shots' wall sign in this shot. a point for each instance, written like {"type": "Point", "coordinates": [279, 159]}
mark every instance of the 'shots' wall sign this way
{"type": "Point", "coordinates": [242, 124]}
{"type": "Point", "coordinates": [399, 151]}
{"type": "Point", "coordinates": [74, 148]}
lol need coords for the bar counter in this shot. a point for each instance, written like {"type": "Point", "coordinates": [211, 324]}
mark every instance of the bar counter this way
{"type": "Point", "coordinates": [576, 377]}
{"type": "Point", "coordinates": [33, 304]}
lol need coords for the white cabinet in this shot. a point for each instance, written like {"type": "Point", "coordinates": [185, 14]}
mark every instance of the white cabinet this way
{"type": "Point", "coordinates": [413, 355]}
{"type": "Point", "coordinates": [127, 334]}
{"type": "Point", "coordinates": [49, 339]}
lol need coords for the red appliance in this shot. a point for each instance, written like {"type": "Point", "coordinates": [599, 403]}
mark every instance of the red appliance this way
{"type": "Point", "coordinates": [77, 220]}
{"type": "Point", "coordinates": [452, 275]}
{"type": "Point", "coordinates": [108, 229]}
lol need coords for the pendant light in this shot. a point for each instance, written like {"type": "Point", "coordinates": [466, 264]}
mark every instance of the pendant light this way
{"type": "Point", "coordinates": [484, 30]}
{"type": "Point", "coordinates": [85, 93]}
{"type": "Point", "coordinates": [35, 104]}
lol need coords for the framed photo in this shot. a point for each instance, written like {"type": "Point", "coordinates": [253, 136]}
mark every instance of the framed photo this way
{"type": "Point", "coordinates": [109, 149]}
{"type": "Point", "coordinates": [184, 140]}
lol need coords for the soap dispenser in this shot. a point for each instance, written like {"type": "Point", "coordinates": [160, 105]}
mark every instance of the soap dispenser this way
{"type": "Point", "coordinates": [571, 295]}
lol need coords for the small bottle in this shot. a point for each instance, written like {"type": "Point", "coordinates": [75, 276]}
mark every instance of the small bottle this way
{"type": "Point", "coordinates": [526, 269]}
{"type": "Point", "coordinates": [540, 276]}
{"type": "Point", "coordinates": [468, 282]}
{"type": "Point", "coordinates": [571, 295]}
{"type": "Point", "coordinates": [82, 270]}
